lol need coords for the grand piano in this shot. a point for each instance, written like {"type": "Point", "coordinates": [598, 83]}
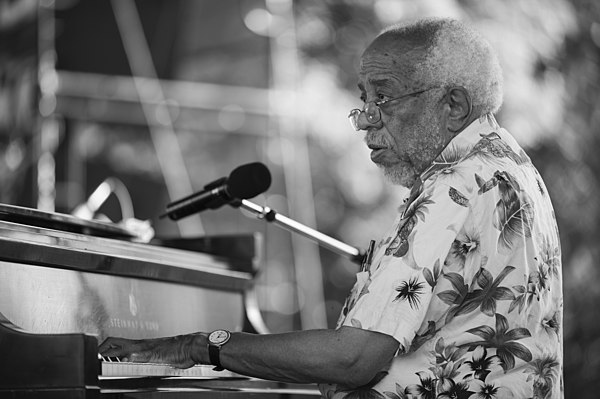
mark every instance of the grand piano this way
{"type": "Point", "coordinates": [67, 283]}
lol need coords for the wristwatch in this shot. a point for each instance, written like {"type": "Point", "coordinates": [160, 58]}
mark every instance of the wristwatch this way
{"type": "Point", "coordinates": [216, 340]}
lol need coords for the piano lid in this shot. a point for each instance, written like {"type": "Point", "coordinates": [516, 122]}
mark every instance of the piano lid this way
{"type": "Point", "coordinates": [62, 222]}
{"type": "Point", "coordinates": [54, 281]}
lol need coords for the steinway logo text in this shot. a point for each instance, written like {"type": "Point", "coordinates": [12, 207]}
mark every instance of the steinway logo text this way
{"type": "Point", "coordinates": [130, 324]}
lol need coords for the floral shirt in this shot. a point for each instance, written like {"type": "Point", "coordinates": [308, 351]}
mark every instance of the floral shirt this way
{"type": "Point", "coordinates": [468, 280]}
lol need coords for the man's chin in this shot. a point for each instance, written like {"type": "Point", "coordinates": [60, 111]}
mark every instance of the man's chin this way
{"type": "Point", "coordinates": [404, 177]}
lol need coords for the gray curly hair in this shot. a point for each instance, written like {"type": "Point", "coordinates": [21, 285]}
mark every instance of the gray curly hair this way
{"type": "Point", "coordinates": [448, 53]}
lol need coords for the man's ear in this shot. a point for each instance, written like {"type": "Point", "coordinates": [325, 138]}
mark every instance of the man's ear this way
{"type": "Point", "coordinates": [461, 109]}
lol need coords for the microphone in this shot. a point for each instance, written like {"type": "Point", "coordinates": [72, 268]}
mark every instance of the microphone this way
{"type": "Point", "coordinates": [244, 182]}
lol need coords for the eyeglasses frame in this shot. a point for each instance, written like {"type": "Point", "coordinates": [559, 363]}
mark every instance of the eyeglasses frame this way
{"type": "Point", "coordinates": [355, 113]}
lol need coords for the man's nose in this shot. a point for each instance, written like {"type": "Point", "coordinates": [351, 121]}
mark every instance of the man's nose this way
{"type": "Point", "coordinates": [363, 122]}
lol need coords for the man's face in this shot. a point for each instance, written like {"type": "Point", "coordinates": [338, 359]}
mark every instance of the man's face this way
{"type": "Point", "coordinates": [410, 135]}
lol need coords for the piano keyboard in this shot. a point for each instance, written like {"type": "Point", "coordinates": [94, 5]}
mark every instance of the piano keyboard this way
{"type": "Point", "coordinates": [121, 377]}
{"type": "Point", "coordinates": [112, 367]}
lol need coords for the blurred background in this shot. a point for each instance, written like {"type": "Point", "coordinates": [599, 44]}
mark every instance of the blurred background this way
{"type": "Point", "coordinates": [160, 97]}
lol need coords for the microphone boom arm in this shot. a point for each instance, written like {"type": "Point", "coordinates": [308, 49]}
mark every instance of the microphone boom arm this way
{"type": "Point", "coordinates": [272, 216]}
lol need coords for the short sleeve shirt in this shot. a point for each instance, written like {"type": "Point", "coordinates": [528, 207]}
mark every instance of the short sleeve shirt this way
{"type": "Point", "coordinates": [468, 280]}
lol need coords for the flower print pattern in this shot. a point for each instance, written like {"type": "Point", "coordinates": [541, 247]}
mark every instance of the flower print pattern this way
{"type": "Point", "coordinates": [504, 341]}
{"type": "Point", "coordinates": [464, 299]}
{"type": "Point", "coordinates": [454, 390]}
{"type": "Point", "coordinates": [365, 391]}
{"type": "Point", "coordinates": [550, 256]}
{"type": "Point", "coordinates": [544, 373]}
{"type": "Point", "coordinates": [421, 337]}
{"type": "Point", "coordinates": [524, 297]}
{"type": "Point", "coordinates": [456, 297]}
{"type": "Point", "coordinates": [538, 279]}
{"type": "Point", "coordinates": [481, 364]}
{"type": "Point", "coordinates": [491, 147]}
{"type": "Point", "coordinates": [425, 389]}
{"type": "Point", "coordinates": [448, 164]}
{"type": "Point", "coordinates": [360, 289]}
{"type": "Point", "coordinates": [538, 283]}
{"type": "Point", "coordinates": [513, 215]}
{"type": "Point", "coordinates": [448, 360]}
{"type": "Point", "coordinates": [485, 391]}
{"type": "Point", "coordinates": [466, 245]}
{"type": "Point", "coordinates": [432, 275]}
{"type": "Point", "coordinates": [485, 186]}
{"type": "Point", "coordinates": [399, 245]}
{"type": "Point", "coordinates": [551, 324]}
{"type": "Point", "coordinates": [410, 291]}
{"type": "Point", "coordinates": [468, 282]}
{"type": "Point", "coordinates": [399, 394]}
{"type": "Point", "coordinates": [416, 211]}
{"type": "Point", "coordinates": [447, 353]}
{"type": "Point", "coordinates": [458, 197]}
{"type": "Point", "coordinates": [490, 291]}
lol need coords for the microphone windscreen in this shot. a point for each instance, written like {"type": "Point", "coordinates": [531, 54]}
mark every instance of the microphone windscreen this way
{"type": "Point", "coordinates": [249, 180]}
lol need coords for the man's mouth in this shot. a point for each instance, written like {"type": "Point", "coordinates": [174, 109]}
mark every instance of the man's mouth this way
{"type": "Point", "coordinates": [375, 147]}
{"type": "Point", "coordinates": [377, 151]}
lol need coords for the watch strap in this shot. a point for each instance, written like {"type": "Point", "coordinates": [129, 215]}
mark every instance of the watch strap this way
{"type": "Point", "coordinates": [214, 356]}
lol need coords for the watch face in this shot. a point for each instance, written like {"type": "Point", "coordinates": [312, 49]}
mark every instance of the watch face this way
{"type": "Point", "coordinates": [218, 337]}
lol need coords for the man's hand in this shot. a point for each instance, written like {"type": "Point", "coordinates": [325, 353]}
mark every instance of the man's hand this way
{"type": "Point", "coordinates": [181, 351]}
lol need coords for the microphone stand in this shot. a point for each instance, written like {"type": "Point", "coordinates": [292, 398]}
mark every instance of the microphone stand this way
{"type": "Point", "coordinates": [272, 216]}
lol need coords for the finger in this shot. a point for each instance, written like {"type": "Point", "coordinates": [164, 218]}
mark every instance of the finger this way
{"type": "Point", "coordinates": [141, 357]}
{"type": "Point", "coordinates": [106, 344]}
{"type": "Point", "coordinates": [115, 347]}
{"type": "Point", "coordinates": [183, 365]}
{"type": "Point", "coordinates": [111, 343]}
{"type": "Point", "coordinates": [117, 353]}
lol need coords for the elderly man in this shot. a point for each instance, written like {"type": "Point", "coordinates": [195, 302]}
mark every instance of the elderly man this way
{"type": "Point", "coordinates": [463, 296]}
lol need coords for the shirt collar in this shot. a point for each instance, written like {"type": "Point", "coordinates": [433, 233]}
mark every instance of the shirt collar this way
{"type": "Point", "coordinates": [482, 126]}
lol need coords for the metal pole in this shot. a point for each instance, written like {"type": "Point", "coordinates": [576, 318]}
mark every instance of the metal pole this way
{"type": "Point", "coordinates": [326, 241]}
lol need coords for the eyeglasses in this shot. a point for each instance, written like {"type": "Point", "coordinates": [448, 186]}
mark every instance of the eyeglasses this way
{"type": "Point", "coordinates": [372, 110]}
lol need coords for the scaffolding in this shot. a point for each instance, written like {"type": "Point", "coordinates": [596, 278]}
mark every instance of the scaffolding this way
{"type": "Point", "coordinates": [143, 99]}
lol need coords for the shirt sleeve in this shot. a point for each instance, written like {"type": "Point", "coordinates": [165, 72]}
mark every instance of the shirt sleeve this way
{"type": "Point", "coordinates": [393, 296]}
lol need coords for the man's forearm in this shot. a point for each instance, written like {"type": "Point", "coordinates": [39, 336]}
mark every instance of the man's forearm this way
{"type": "Point", "coordinates": [305, 356]}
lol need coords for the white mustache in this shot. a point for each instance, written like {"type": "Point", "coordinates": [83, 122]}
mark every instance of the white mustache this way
{"type": "Point", "coordinates": [373, 139]}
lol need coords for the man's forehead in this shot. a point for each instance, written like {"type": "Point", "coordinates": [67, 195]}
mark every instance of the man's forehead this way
{"type": "Point", "coordinates": [379, 80]}
{"type": "Point", "coordinates": [386, 60]}
{"type": "Point", "coordinates": [383, 71]}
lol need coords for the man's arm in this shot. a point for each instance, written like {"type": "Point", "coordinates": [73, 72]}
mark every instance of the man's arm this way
{"type": "Point", "coordinates": [348, 356]}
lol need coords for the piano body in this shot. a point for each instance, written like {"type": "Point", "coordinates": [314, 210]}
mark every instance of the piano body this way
{"type": "Point", "coordinates": [66, 284]}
